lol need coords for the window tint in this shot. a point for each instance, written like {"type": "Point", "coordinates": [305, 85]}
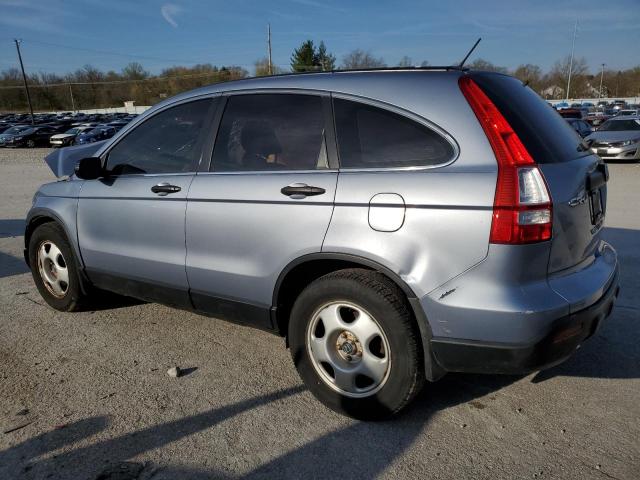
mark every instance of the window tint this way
{"type": "Point", "coordinates": [271, 132]}
{"type": "Point", "coordinates": [370, 137]}
{"type": "Point", "coordinates": [169, 142]}
{"type": "Point", "coordinates": [545, 134]}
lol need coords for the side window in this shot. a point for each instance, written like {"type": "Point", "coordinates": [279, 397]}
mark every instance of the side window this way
{"type": "Point", "coordinates": [168, 142]}
{"type": "Point", "coordinates": [370, 137]}
{"type": "Point", "coordinates": [271, 132]}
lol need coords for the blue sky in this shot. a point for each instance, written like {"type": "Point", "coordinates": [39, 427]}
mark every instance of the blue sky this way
{"type": "Point", "coordinates": [110, 33]}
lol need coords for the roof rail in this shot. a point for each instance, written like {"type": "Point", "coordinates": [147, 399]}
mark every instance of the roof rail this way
{"type": "Point", "coordinates": [373, 69]}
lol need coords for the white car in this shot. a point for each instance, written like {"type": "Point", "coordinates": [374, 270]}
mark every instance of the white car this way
{"type": "Point", "coordinates": [67, 138]}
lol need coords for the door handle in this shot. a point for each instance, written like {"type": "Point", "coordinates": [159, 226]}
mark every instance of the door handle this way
{"type": "Point", "coordinates": [164, 188]}
{"type": "Point", "coordinates": [301, 190]}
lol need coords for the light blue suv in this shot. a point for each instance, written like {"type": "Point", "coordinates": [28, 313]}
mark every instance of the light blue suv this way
{"type": "Point", "coordinates": [393, 225]}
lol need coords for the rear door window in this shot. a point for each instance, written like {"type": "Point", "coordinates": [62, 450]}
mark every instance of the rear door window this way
{"type": "Point", "coordinates": [372, 137]}
{"type": "Point", "coordinates": [262, 132]}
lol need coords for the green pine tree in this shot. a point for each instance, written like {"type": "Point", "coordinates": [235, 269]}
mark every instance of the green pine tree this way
{"type": "Point", "coordinates": [323, 59]}
{"type": "Point", "coordinates": [303, 58]}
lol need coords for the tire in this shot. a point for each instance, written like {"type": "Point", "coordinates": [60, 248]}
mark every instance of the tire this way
{"type": "Point", "coordinates": [353, 321]}
{"type": "Point", "coordinates": [62, 291]}
{"type": "Point", "coordinates": [31, 143]}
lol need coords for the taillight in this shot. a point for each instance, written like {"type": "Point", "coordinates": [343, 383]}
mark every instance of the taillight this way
{"type": "Point", "coordinates": [522, 208]}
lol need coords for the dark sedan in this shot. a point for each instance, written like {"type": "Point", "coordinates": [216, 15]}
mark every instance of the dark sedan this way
{"type": "Point", "coordinates": [96, 135]}
{"type": "Point", "coordinates": [27, 136]}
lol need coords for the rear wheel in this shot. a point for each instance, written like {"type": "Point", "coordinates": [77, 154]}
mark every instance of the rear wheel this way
{"type": "Point", "coordinates": [54, 269]}
{"type": "Point", "coordinates": [355, 344]}
{"type": "Point", "coordinates": [31, 143]}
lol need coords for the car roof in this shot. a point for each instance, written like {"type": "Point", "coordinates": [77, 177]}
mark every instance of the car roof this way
{"type": "Point", "coordinates": [355, 81]}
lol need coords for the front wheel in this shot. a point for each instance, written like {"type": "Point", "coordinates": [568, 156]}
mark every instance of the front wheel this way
{"type": "Point", "coordinates": [356, 345]}
{"type": "Point", "coordinates": [54, 269]}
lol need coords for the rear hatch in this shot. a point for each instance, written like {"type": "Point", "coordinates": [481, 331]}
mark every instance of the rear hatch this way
{"type": "Point", "coordinates": [575, 177]}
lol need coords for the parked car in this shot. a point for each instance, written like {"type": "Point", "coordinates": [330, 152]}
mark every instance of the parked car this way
{"type": "Point", "coordinates": [571, 113]}
{"type": "Point", "coordinates": [67, 138]}
{"type": "Point", "coordinates": [389, 235]}
{"type": "Point", "coordinates": [597, 118]}
{"type": "Point", "coordinates": [118, 124]}
{"type": "Point", "coordinates": [580, 126]}
{"type": "Point", "coordinates": [619, 105]}
{"type": "Point", "coordinates": [617, 139]}
{"type": "Point", "coordinates": [97, 134]}
{"type": "Point", "coordinates": [27, 136]}
{"type": "Point", "coordinates": [6, 126]}
{"type": "Point", "coordinates": [628, 112]}
{"type": "Point", "coordinates": [562, 105]}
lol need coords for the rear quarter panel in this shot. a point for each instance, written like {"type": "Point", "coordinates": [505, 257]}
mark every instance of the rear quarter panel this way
{"type": "Point", "coordinates": [448, 208]}
{"type": "Point", "coordinates": [445, 231]}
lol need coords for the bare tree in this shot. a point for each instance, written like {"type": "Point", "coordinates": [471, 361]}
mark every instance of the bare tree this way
{"type": "Point", "coordinates": [481, 64]}
{"type": "Point", "coordinates": [531, 75]}
{"type": "Point", "coordinates": [261, 68]}
{"type": "Point", "coordinates": [134, 71]}
{"type": "Point", "coordinates": [559, 75]}
{"type": "Point", "coordinates": [405, 62]}
{"type": "Point", "coordinates": [360, 59]}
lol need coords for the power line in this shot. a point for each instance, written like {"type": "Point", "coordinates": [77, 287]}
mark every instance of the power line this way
{"type": "Point", "coordinates": [108, 52]}
{"type": "Point", "coordinates": [110, 82]}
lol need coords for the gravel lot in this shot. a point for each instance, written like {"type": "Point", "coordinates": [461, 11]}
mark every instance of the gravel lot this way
{"type": "Point", "coordinates": [92, 396]}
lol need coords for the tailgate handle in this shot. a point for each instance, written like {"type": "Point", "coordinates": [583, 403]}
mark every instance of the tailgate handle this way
{"type": "Point", "coordinates": [598, 177]}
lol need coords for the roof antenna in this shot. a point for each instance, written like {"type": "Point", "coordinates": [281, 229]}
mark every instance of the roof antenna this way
{"type": "Point", "coordinates": [470, 52]}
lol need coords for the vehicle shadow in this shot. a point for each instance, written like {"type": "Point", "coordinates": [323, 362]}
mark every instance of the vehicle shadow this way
{"type": "Point", "coordinates": [11, 228]}
{"type": "Point", "coordinates": [345, 447]}
{"type": "Point", "coordinates": [10, 265]}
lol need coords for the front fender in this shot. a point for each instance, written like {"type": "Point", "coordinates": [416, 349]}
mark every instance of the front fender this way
{"type": "Point", "coordinates": [61, 210]}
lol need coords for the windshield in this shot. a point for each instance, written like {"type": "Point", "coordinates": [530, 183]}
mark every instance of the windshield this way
{"type": "Point", "coordinates": [73, 131]}
{"type": "Point", "coordinates": [619, 125]}
{"type": "Point", "coordinates": [17, 130]}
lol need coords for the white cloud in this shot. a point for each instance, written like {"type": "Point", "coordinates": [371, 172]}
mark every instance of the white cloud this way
{"type": "Point", "coordinates": [168, 12]}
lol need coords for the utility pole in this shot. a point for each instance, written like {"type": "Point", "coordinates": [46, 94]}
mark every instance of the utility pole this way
{"type": "Point", "coordinates": [601, 77]}
{"type": "Point", "coordinates": [73, 104]}
{"type": "Point", "coordinates": [24, 78]}
{"type": "Point", "coordinates": [573, 46]}
{"type": "Point", "coordinates": [269, 45]}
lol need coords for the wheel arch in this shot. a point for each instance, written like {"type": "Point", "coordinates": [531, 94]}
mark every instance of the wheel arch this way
{"type": "Point", "coordinates": [303, 270]}
{"type": "Point", "coordinates": [41, 216]}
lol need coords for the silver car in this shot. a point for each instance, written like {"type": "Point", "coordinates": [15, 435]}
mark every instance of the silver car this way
{"type": "Point", "coordinates": [617, 139]}
{"type": "Point", "coordinates": [392, 225]}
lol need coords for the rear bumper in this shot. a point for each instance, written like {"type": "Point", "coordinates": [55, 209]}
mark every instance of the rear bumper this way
{"type": "Point", "coordinates": [563, 337]}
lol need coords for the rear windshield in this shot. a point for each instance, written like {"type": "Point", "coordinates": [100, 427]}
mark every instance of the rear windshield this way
{"type": "Point", "coordinates": [545, 134]}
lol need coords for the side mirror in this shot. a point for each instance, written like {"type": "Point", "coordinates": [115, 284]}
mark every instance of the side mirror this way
{"type": "Point", "coordinates": [89, 168]}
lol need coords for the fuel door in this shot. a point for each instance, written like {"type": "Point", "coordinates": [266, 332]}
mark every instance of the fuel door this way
{"type": "Point", "coordinates": [386, 212]}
